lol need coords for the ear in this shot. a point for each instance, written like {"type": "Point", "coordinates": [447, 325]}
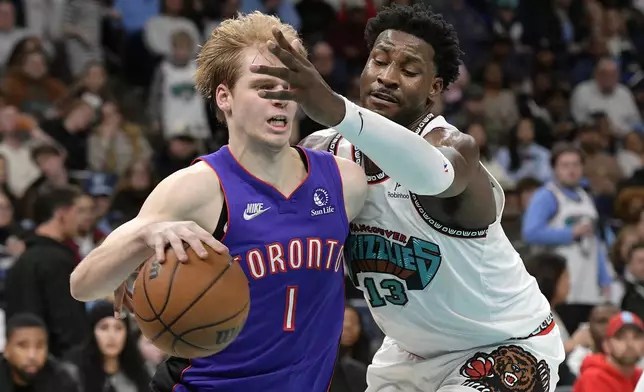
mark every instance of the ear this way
{"type": "Point", "coordinates": [223, 98]}
{"type": "Point", "coordinates": [436, 88]}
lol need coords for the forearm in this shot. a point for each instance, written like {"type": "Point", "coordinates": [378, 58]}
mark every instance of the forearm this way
{"type": "Point", "coordinates": [401, 154]}
{"type": "Point", "coordinates": [111, 263]}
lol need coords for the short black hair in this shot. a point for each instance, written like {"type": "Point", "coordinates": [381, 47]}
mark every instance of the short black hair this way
{"type": "Point", "coordinates": [23, 320]}
{"type": "Point", "coordinates": [563, 148]}
{"type": "Point", "coordinates": [44, 149]}
{"type": "Point", "coordinates": [420, 21]}
{"type": "Point", "coordinates": [546, 268]}
{"type": "Point", "coordinates": [51, 200]}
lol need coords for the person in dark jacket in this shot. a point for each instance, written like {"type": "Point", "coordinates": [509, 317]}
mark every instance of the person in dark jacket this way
{"type": "Point", "coordinates": [633, 299]}
{"type": "Point", "coordinates": [39, 280]}
{"type": "Point", "coordinates": [25, 365]}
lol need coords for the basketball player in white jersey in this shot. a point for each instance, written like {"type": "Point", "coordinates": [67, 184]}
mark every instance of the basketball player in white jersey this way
{"type": "Point", "coordinates": [441, 278]}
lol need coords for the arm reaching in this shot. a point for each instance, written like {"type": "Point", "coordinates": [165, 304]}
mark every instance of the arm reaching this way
{"type": "Point", "coordinates": [414, 162]}
{"type": "Point", "coordinates": [183, 207]}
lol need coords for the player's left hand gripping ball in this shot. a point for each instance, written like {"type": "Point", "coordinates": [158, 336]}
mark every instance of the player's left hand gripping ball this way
{"type": "Point", "coordinates": [305, 84]}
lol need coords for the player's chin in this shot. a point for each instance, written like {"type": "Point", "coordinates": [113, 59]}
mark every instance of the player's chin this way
{"type": "Point", "coordinates": [384, 108]}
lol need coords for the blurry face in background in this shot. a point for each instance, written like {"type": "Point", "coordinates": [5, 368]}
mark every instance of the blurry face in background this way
{"type": "Point", "coordinates": [351, 328]}
{"type": "Point", "coordinates": [140, 179]}
{"type": "Point", "coordinates": [525, 131]}
{"type": "Point", "coordinates": [569, 169]}
{"type": "Point", "coordinates": [590, 140]}
{"type": "Point", "coordinates": [51, 165]}
{"type": "Point", "coordinates": [557, 105]}
{"type": "Point", "coordinates": [322, 58]}
{"type": "Point", "coordinates": [69, 219]}
{"type": "Point", "coordinates": [478, 133]}
{"type": "Point", "coordinates": [562, 289]}
{"type": "Point", "coordinates": [35, 66]}
{"type": "Point", "coordinates": [111, 335]}
{"type": "Point", "coordinates": [26, 352]}
{"type": "Point", "coordinates": [86, 214]}
{"type": "Point", "coordinates": [606, 75]}
{"type": "Point", "coordinates": [636, 264]}
{"type": "Point", "coordinates": [598, 321]}
{"type": "Point", "coordinates": [613, 23]}
{"type": "Point", "coordinates": [174, 7]}
{"type": "Point", "coordinates": [6, 211]}
{"type": "Point", "coordinates": [182, 51]}
{"type": "Point", "coordinates": [626, 347]}
{"type": "Point", "coordinates": [7, 16]}
{"type": "Point", "coordinates": [95, 78]}
{"type": "Point", "coordinates": [111, 114]}
{"type": "Point", "coordinates": [492, 76]}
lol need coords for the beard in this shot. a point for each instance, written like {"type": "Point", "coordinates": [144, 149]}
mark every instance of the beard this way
{"type": "Point", "coordinates": [24, 376]}
{"type": "Point", "coordinates": [627, 360]}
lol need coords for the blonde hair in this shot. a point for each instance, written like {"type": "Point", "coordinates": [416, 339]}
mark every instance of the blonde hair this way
{"type": "Point", "coordinates": [220, 58]}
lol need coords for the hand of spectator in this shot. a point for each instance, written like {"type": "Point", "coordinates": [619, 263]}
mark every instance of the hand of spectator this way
{"type": "Point", "coordinates": [158, 235]}
{"type": "Point", "coordinates": [582, 336]}
{"type": "Point", "coordinates": [583, 229]}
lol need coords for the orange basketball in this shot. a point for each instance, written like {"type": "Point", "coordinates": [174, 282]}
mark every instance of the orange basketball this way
{"type": "Point", "coordinates": [192, 309]}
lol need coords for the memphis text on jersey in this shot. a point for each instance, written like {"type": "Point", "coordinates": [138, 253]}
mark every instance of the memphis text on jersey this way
{"type": "Point", "coordinates": [277, 257]}
{"type": "Point", "coordinates": [395, 258]}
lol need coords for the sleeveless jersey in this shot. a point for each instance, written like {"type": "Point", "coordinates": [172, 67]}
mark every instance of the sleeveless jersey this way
{"type": "Point", "coordinates": [431, 287]}
{"type": "Point", "coordinates": [581, 255]}
{"type": "Point", "coordinates": [291, 251]}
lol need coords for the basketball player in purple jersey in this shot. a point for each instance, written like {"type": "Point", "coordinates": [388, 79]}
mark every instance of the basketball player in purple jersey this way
{"type": "Point", "coordinates": [283, 212]}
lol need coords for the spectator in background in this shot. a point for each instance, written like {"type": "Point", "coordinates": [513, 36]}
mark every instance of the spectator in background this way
{"type": "Point", "coordinates": [175, 104]}
{"type": "Point", "coordinates": [499, 104]}
{"type": "Point", "coordinates": [350, 373]}
{"type": "Point", "coordinates": [563, 217]}
{"type": "Point", "coordinates": [72, 131]}
{"type": "Point", "coordinates": [10, 34]}
{"type": "Point", "coordinates": [32, 89]}
{"type": "Point", "coordinates": [101, 187]}
{"type": "Point", "coordinates": [179, 152]}
{"type": "Point", "coordinates": [109, 360]}
{"type": "Point", "coordinates": [39, 281]}
{"type": "Point", "coordinates": [604, 93]}
{"type": "Point", "coordinates": [51, 163]}
{"type": "Point", "coordinates": [492, 165]}
{"type": "Point", "coordinates": [633, 300]}
{"type": "Point", "coordinates": [596, 328]}
{"type": "Point", "coordinates": [15, 148]}
{"type": "Point", "coordinates": [630, 158]}
{"type": "Point", "coordinates": [114, 144]}
{"type": "Point", "coordinates": [472, 109]}
{"type": "Point", "coordinates": [132, 190]}
{"type": "Point", "coordinates": [523, 157]}
{"type": "Point", "coordinates": [25, 365]}
{"type": "Point", "coordinates": [614, 370]}
{"type": "Point", "coordinates": [82, 28]}
{"type": "Point", "coordinates": [600, 168]}
{"type": "Point", "coordinates": [91, 85]}
{"type": "Point", "coordinates": [88, 236]}
{"type": "Point", "coordinates": [161, 29]}
{"type": "Point", "coordinates": [152, 356]}
{"type": "Point", "coordinates": [283, 9]}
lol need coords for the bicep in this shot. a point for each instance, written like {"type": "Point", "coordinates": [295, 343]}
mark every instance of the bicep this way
{"type": "Point", "coordinates": [354, 186]}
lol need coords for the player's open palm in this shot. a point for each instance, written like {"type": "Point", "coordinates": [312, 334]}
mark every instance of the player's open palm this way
{"type": "Point", "coordinates": [305, 84]}
{"type": "Point", "coordinates": [158, 235]}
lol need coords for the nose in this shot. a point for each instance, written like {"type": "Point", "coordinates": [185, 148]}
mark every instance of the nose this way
{"type": "Point", "coordinates": [389, 77]}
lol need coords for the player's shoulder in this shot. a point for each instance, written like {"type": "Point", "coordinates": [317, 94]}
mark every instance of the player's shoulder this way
{"type": "Point", "coordinates": [195, 182]}
{"type": "Point", "coordinates": [321, 140]}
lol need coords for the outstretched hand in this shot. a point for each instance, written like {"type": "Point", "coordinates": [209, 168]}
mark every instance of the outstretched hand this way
{"type": "Point", "coordinates": [306, 85]}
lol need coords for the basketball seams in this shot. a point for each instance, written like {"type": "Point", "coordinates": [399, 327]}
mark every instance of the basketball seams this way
{"type": "Point", "coordinates": [142, 274]}
{"type": "Point", "coordinates": [194, 301]}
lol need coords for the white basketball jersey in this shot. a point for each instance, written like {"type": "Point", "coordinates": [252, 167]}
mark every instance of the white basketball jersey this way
{"type": "Point", "coordinates": [431, 287]}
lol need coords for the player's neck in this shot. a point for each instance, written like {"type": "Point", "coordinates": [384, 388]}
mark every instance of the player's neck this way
{"type": "Point", "coordinates": [274, 167]}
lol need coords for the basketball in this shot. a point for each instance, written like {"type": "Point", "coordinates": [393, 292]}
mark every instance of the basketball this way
{"type": "Point", "coordinates": [192, 309]}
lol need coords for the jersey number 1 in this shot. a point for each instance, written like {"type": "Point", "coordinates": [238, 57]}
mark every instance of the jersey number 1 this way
{"type": "Point", "coordinates": [289, 313]}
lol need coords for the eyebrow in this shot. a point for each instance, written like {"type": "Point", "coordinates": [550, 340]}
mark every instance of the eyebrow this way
{"type": "Point", "coordinates": [387, 47]}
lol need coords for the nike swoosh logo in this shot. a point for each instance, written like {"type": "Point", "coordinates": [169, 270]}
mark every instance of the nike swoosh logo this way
{"type": "Point", "coordinates": [361, 123]}
{"type": "Point", "coordinates": [248, 216]}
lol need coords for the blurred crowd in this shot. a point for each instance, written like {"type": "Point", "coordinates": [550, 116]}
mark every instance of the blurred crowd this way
{"type": "Point", "coordinates": [97, 104]}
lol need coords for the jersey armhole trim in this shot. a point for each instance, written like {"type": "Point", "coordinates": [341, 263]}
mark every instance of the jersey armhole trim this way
{"type": "Point", "coordinates": [345, 215]}
{"type": "Point", "coordinates": [225, 204]}
{"type": "Point", "coordinates": [442, 228]}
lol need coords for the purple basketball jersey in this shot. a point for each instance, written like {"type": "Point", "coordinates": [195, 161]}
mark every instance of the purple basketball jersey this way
{"type": "Point", "coordinates": [290, 248]}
